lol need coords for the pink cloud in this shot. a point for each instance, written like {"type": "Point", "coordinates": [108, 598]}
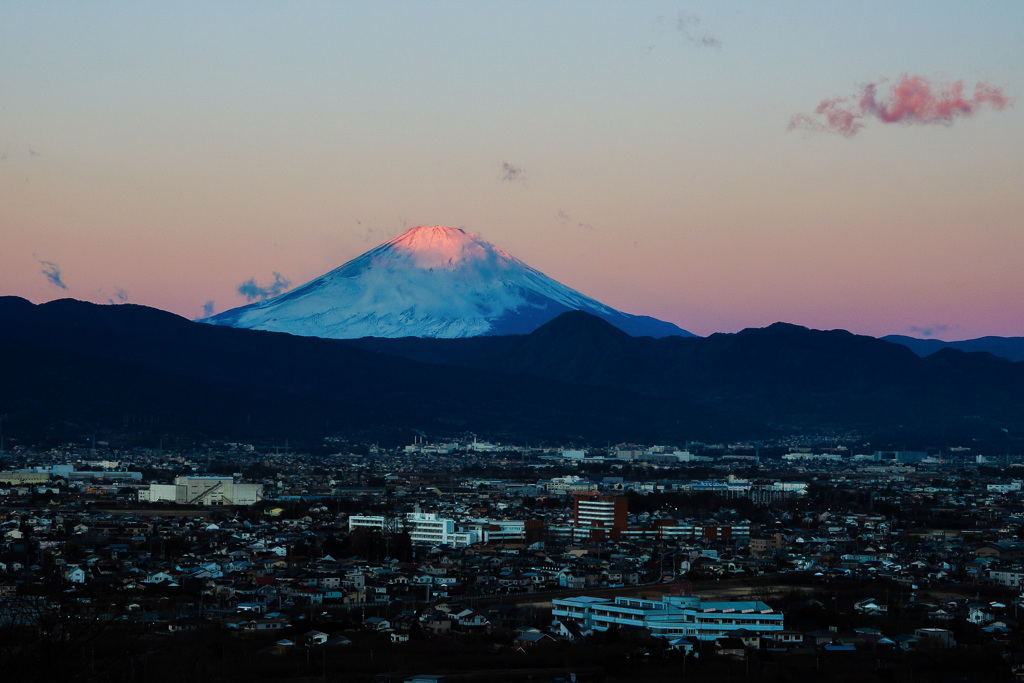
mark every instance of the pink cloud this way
{"type": "Point", "coordinates": [913, 100]}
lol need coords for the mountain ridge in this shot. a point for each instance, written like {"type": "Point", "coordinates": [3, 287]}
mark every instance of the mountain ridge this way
{"type": "Point", "coordinates": [75, 368]}
{"type": "Point", "coordinates": [71, 367]}
{"type": "Point", "coordinates": [1010, 348]}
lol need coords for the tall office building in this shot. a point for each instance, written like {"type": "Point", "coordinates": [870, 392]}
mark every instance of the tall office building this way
{"type": "Point", "coordinates": [600, 517]}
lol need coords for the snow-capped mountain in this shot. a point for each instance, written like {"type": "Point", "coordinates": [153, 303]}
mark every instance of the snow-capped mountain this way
{"type": "Point", "coordinates": [430, 281]}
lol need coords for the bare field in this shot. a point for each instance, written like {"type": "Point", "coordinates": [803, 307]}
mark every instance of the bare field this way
{"type": "Point", "coordinates": [767, 588]}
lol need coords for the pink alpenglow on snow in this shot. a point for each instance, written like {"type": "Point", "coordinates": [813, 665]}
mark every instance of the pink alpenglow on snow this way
{"type": "Point", "coordinates": [430, 281]}
{"type": "Point", "coordinates": [912, 100]}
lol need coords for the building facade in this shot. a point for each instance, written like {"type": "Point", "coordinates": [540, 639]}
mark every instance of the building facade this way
{"type": "Point", "coordinates": [600, 517]}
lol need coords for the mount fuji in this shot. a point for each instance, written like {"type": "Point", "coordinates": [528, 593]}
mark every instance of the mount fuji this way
{"type": "Point", "coordinates": [430, 281]}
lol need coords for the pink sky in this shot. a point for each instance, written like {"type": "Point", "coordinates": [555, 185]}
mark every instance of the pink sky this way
{"type": "Point", "coordinates": [698, 167]}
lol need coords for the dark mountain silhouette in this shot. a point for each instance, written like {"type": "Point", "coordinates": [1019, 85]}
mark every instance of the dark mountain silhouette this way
{"type": "Point", "coordinates": [1010, 348]}
{"type": "Point", "coordinates": [75, 368]}
{"type": "Point", "coordinates": [787, 376]}
{"type": "Point", "coordinates": [69, 365]}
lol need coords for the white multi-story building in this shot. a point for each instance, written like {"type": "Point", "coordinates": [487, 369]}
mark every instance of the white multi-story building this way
{"type": "Point", "coordinates": [569, 484]}
{"type": "Point", "coordinates": [374, 522]}
{"type": "Point", "coordinates": [427, 527]}
{"type": "Point", "coordinates": [671, 616]}
{"type": "Point", "coordinates": [1012, 578]}
{"type": "Point", "coordinates": [1004, 488]}
{"type": "Point", "coordinates": [495, 530]}
{"type": "Point", "coordinates": [423, 527]}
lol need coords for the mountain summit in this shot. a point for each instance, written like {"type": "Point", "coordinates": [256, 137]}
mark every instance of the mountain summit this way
{"type": "Point", "coordinates": [430, 281]}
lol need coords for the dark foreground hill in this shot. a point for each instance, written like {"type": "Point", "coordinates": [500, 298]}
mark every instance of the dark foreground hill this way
{"type": "Point", "coordinates": [70, 369]}
{"type": "Point", "coordinates": [74, 368]}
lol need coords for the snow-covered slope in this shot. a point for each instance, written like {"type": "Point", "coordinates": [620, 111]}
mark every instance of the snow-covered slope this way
{"type": "Point", "coordinates": [430, 281]}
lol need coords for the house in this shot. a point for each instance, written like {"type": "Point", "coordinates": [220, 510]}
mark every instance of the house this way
{"type": "Point", "coordinates": [437, 623]}
{"type": "Point", "coordinates": [268, 623]}
{"type": "Point", "coordinates": [338, 640]}
{"type": "Point", "coordinates": [870, 606]}
{"type": "Point", "coordinates": [980, 613]}
{"type": "Point", "coordinates": [314, 637]}
{"type": "Point", "coordinates": [1004, 552]}
{"type": "Point", "coordinates": [751, 639]}
{"type": "Point", "coordinates": [376, 624]}
{"type": "Point", "coordinates": [471, 619]}
{"type": "Point", "coordinates": [684, 645]}
{"type": "Point", "coordinates": [905, 641]}
{"type": "Point", "coordinates": [74, 574]}
{"type": "Point", "coordinates": [819, 637]}
{"type": "Point", "coordinates": [257, 607]}
{"type": "Point", "coordinates": [569, 630]}
{"type": "Point", "coordinates": [531, 638]}
{"type": "Point", "coordinates": [783, 639]}
{"type": "Point", "coordinates": [938, 637]}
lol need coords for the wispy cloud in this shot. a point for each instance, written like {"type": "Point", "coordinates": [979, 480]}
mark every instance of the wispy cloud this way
{"type": "Point", "coordinates": [929, 330]}
{"type": "Point", "coordinates": [120, 296]}
{"type": "Point", "coordinates": [565, 219]}
{"type": "Point", "coordinates": [208, 309]}
{"type": "Point", "coordinates": [688, 26]}
{"type": "Point", "coordinates": [913, 100]}
{"type": "Point", "coordinates": [253, 292]}
{"type": "Point", "coordinates": [510, 172]}
{"type": "Point", "coordinates": [372, 233]}
{"type": "Point", "coordinates": [51, 271]}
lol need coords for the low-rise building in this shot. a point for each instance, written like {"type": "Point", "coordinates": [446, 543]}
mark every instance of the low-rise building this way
{"type": "Point", "coordinates": [671, 616]}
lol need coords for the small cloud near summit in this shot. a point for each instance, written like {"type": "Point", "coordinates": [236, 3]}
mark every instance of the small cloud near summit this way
{"type": "Point", "coordinates": [208, 309]}
{"type": "Point", "coordinates": [51, 271]}
{"type": "Point", "coordinates": [253, 292]}
{"type": "Point", "coordinates": [120, 296]}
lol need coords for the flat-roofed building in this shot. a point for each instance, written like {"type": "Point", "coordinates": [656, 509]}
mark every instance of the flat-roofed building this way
{"type": "Point", "coordinates": [211, 491]}
{"type": "Point", "coordinates": [670, 617]}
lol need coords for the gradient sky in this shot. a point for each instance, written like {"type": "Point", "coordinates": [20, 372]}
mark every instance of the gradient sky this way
{"type": "Point", "coordinates": [644, 153]}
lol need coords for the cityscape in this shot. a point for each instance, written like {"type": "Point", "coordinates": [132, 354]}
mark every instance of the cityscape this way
{"type": "Point", "coordinates": [764, 560]}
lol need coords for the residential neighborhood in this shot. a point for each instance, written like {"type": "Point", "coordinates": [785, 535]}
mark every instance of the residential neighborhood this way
{"type": "Point", "coordinates": [697, 557]}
